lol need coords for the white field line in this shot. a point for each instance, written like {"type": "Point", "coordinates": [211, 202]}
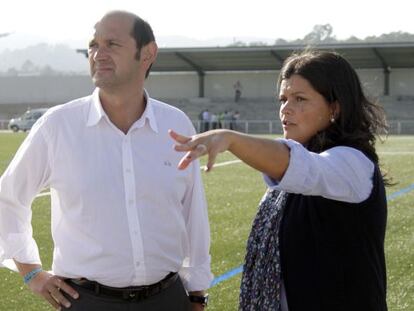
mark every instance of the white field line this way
{"type": "Point", "coordinates": [43, 194]}
{"type": "Point", "coordinates": [224, 163]}
{"type": "Point", "coordinates": [396, 153]}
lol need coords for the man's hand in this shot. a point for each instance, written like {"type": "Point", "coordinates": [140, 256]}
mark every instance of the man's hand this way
{"type": "Point", "coordinates": [197, 307]}
{"type": "Point", "coordinates": [47, 285]}
{"type": "Point", "coordinates": [51, 287]}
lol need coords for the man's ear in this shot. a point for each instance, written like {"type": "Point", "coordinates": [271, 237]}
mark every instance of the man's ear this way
{"type": "Point", "coordinates": [149, 53]}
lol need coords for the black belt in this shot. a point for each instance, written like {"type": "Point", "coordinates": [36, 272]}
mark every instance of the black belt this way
{"type": "Point", "coordinates": [135, 293]}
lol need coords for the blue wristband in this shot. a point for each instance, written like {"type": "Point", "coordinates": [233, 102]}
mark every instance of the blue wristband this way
{"type": "Point", "coordinates": [30, 275]}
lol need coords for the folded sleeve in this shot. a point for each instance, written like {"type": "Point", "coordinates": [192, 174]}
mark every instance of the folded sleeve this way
{"type": "Point", "coordinates": [340, 173]}
{"type": "Point", "coordinates": [27, 174]}
{"type": "Point", "coordinates": [195, 271]}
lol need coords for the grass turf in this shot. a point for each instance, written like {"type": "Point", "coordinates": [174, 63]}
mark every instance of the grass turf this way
{"type": "Point", "coordinates": [233, 192]}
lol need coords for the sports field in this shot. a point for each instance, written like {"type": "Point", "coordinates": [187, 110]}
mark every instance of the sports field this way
{"type": "Point", "coordinates": [233, 192]}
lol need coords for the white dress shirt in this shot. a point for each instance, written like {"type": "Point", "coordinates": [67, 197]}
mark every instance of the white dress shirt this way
{"type": "Point", "coordinates": [340, 173]}
{"type": "Point", "coordinates": [122, 213]}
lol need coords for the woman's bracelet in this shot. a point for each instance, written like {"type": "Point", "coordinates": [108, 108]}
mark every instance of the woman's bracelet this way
{"type": "Point", "coordinates": [30, 275]}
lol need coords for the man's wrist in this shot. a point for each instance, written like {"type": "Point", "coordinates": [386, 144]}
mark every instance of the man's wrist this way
{"type": "Point", "coordinates": [28, 270]}
{"type": "Point", "coordinates": [200, 298]}
{"type": "Point", "coordinates": [31, 274]}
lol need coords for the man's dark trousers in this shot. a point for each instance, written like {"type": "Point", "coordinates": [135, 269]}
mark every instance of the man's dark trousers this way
{"type": "Point", "coordinates": [173, 298]}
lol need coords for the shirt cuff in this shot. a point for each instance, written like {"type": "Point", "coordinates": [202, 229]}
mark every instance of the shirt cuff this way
{"type": "Point", "coordinates": [196, 278]}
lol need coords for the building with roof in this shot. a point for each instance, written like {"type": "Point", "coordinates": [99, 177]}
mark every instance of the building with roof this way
{"type": "Point", "coordinates": [200, 76]}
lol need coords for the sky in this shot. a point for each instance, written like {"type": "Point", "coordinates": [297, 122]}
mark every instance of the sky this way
{"type": "Point", "coordinates": [71, 22]}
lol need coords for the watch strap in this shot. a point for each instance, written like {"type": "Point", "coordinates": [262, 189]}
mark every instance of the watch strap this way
{"type": "Point", "coordinates": [199, 299]}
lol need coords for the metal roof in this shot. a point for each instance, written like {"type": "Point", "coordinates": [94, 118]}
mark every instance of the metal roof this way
{"type": "Point", "coordinates": [361, 56]}
{"type": "Point", "coordinates": [386, 55]}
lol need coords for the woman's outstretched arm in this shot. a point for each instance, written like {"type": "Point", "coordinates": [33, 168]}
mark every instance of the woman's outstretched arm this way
{"type": "Point", "coordinates": [265, 155]}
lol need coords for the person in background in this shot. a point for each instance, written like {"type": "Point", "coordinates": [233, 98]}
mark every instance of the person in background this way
{"type": "Point", "coordinates": [234, 119]}
{"type": "Point", "coordinates": [214, 121]}
{"type": "Point", "coordinates": [130, 231]}
{"type": "Point", "coordinates": [227, 119]}
{"type": "Point", "coordinates": [237, 91]}
{"type": "Point", "coordinates": [206, 120]}
{"type": "Point", "coordinates": [317, 242]}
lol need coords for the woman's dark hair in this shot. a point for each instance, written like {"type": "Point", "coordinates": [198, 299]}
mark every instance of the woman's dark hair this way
{"type": "Point", "coordinates": [359, 121]}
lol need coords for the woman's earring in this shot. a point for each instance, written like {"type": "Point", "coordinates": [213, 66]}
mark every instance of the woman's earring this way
{"type": "Point", "coordinates": [332, 119]}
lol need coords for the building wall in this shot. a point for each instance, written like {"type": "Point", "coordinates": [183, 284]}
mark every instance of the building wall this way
{"type": "Point", "coordinates": [254, 84]}
{"type": "Point", "coordinates": [372, 81]}
{"type": "Point", "coordinates": [43, 89]}
{"type": "Point", "coordinates": [60, 89]}
{"type": "Point", "coordinates": [402, 82]}
{"type": "Point", "coordinates": [172, 85]}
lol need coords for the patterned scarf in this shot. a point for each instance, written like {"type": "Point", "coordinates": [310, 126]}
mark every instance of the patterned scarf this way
{"type": "Point", "coordinates": [262, 274]}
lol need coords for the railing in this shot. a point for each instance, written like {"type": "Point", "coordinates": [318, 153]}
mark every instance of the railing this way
{"type": "Point", "coordinates": [397, 127]}
{"type": "Point", "coordinates": [245, 126]}
{"type": "Point", "coordinates": [4, 124]}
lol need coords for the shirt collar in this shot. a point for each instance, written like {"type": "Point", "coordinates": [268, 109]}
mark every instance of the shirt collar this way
{"type": "Point", "coordinates": [96, 112]}
{"type": "Point", "coordinates": [148, 114]}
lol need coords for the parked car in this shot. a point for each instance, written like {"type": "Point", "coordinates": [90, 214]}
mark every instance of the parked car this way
{"type": "Point", "coordinates": [25, 122]}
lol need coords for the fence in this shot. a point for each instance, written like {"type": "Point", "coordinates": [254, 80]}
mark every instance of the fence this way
{"type": "Point", "coordinates": [4, 124]}
{"type": "Point", "coordinates": [397, 127]}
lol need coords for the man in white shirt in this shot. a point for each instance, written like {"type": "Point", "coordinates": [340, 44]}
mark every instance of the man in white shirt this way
{"type": "Point", "coordinates": [130, 230]}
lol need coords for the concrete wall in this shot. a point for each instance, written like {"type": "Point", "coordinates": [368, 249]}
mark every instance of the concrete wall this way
{"type": "Point", "coordinates": [59, 89]}
{"type": "Point", "coordinates": [372, 81]}
{"type": "Point", "coordinates": [172, 85]}
{"type": "Point", "coordinates": [402, 82]}
{"type": "Point", "coordinates": [254, 84]}
{"type": "Point", "coordinates": [43, 89]}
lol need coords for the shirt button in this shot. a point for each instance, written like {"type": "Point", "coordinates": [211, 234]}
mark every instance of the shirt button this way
{"type": "Point", "coordinates": [128, 170]}
{"type": "Point", "coordinates": [130, 201]}
{"type": "Point", "coordinates": [137, 263]}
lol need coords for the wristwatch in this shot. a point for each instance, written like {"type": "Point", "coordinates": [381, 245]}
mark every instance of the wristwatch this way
{"type": "Point", "coordinates": [199, 299]}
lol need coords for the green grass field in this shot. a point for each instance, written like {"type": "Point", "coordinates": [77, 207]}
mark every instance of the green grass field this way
{"type": "Point", "coordinates": [233, 192]}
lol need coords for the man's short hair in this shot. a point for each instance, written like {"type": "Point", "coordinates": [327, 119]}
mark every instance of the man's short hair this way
{"type": "Point", "coordinates": [143, 34]}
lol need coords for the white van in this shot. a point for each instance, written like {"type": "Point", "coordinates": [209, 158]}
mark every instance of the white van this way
{"type": "Point", "coordinates": [26, 121]}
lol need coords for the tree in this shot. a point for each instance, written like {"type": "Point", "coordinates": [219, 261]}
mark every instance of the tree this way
{"type": "Point", "coordinates": [320, 34]}
{"type": "Point", "coordinates": [47, 71]}
{"type": "Point", "coordinates": [352, 39]}
{"type": "Point", "coordinates": [324, 34]}
{"type": "Point", "coordinates": [28, 67]}
{"type": "Point", "coordinates": [397, 36]}
{"type": "Point", "coordinates": [237, 44]}
{"type": "Point", "coordinates": [280, 41]}
{"type": "Point", "coordinates": [12, 72]}
{"type": "Point", "coordinates": [5, 34]}
{"type": "Point", "coordinates": [257, 43]}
